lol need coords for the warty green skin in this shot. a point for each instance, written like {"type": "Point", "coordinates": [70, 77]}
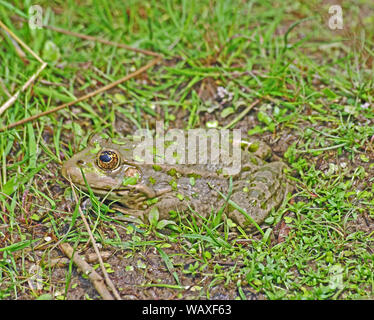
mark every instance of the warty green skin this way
{"type": "Point", "coordinates": [258, 188]}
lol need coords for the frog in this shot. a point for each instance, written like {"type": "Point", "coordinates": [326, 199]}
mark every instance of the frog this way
{"type": "Point", "coordinates": [246, 197]}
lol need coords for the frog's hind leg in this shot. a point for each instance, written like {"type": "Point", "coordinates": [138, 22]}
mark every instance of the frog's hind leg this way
{"type": "Point", "coordinates": [258, 192]}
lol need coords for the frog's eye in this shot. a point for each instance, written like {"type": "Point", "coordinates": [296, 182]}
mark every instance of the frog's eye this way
{"type": "Point", "coordinates": [108, 160]}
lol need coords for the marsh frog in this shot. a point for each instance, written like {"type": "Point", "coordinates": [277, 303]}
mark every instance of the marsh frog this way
{"type": "Point", "coordinates": [112, 172]}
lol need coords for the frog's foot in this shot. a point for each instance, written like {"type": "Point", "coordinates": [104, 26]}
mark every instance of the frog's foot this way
{"type": "Point", "coordinates": [258, 193]}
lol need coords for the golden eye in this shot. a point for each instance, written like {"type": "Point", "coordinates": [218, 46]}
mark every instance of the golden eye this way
{"type": "Point", "coordinates": [108, 160]}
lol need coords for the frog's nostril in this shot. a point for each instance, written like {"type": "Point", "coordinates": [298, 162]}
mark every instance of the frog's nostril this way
{"type": "Point", "coordinates": [81, 162]}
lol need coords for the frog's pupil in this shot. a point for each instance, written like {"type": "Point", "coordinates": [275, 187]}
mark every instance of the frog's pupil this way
{"type": "Point", "coordinates": [105, 157]}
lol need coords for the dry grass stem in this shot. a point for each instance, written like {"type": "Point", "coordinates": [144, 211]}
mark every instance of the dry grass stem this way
{"type": "Point", "coordinates": [89, 95]}
{"type": "Point", "coordinates": [13, 98]}
{"type": "Point", "coordinates": [15, 40]}
{"type": "Point", "coordinates": [96, 279]}
{"type": "Point", "coordinates": [107, 279]}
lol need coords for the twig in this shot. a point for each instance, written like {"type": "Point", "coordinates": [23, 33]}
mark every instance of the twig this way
{"type": "Point", "coordinates": [2, 25]}
{"type": "Point", "coordinates": [89, 258]}
{"type": "Point", "coordinates": [15, 39]}
{"type": "Point", "coordinates": [13, 98]}
{"type": "Point", "coordinates": [95, 278]}
{"type": "Point", "coordinates": [107, 279]}
{"type": "Point", "coordinates": [241, 115]}
{"type": "Point", "coordinates": [18, 49]}
{"type": "Point", "coordinates": [89, 95]}
{"type": "Point", "coordinates": [91, 38]}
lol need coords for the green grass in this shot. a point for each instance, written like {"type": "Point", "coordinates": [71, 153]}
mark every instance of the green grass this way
{"type": "Point", "coordinates": [313, 83]}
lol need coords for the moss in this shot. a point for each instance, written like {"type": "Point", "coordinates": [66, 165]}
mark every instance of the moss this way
{"type": "Point", "coordinates": [152, 180]}
{"type": "Point", "coordinates": [156, 167]}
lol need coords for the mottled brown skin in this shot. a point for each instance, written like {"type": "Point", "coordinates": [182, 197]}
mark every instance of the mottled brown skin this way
{"type": "Point", "coordinates": [257, 188]}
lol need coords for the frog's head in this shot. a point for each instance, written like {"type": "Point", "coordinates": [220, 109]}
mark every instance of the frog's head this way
{"type": "Point", "coordinates": [107, 167]}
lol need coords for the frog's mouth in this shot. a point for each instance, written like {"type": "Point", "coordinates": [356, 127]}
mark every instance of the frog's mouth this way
{"type": "Point", "coordinates": [78, 182]}
{"type": "Point", "coordinates": [97, 191]}
{"type": "Point", "coordinates": [119, 192]}
{"type": "Point", "coordinates": [103, 193]}
{"type": "Point", "coordinates": [131, 197]}
{"type": "Point", "coordinates": [111, 189]}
